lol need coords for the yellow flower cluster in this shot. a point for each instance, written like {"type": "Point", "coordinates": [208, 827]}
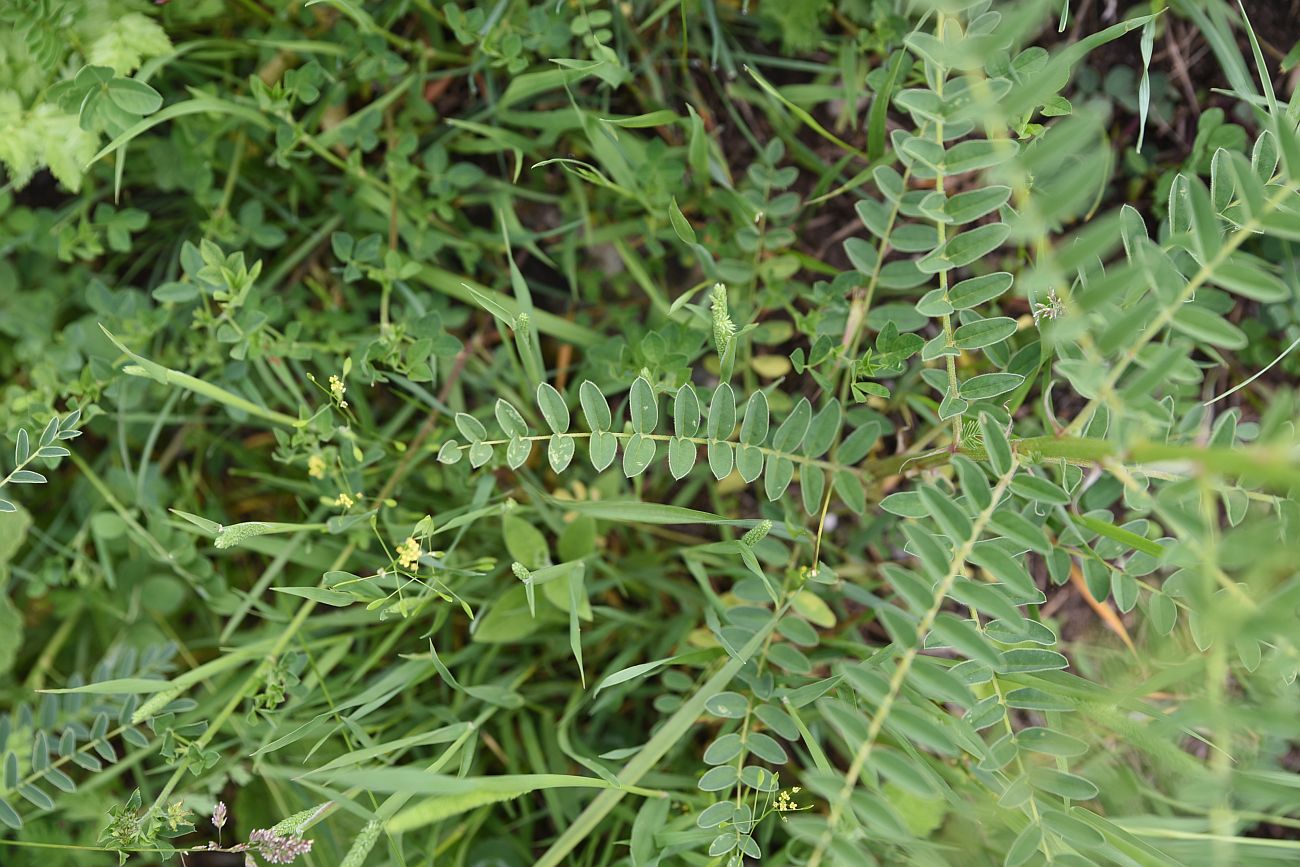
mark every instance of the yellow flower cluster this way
{"type": "Point", "coordinates": [408, 554]}
{"type": "Point", "coordinates": [337, 390]}
{"type": "Point", "coordinates": [316, 467]}
{"type": "Point", "coordinates": [785, 801]}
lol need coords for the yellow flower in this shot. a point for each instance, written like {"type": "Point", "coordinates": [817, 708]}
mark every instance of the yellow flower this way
{"type": "Point", "coordinates": [345, 501]}
{"type": "Point", "coordinates": [408, 554]}
{"type": "Point", "coordinates": [785, 803]}
{"type": "Point", "coordinates": [316, 467]}
{"type": "Point", "coordinates": [337, 390]}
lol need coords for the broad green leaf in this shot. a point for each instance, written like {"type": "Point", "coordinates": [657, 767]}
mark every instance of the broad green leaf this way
{"type": "Point", "coordinates": [470, 428]}
{"type": "Point", "coordinates": [1019, 530]}
{"type": "Point", "coordinates": [681, 456]}
{"type": "Point", "coordinates": [988, 385]}
{"type": "Point", "coordinates": [1039, 490]}
{"type": "Point", "coordinates": [812, 488]}
{"type": "Point", "coordinates": [686, 412]}
{"type": "Point", "coordinates": [1004, 567]}
{"type": "Point", "coordinates": [749, 462]}
{"type": "Point", "coordinates": [905, 504]}
{"type": "Point", "coordinates": [965, 248]}
{"type": "Point", "coordinates": [1201, 324]}
{"type": "Point", "coordinates": [1026, 844]}
{"type": "Point", "coordinates": [963, 637]}
{"type": "Point", "coordinates": [979, 290]}
{"type": "Point", "coordinates": [638, 453]}
{"type": "Point", "coordinates": [681, 226]}
{"type": "Point", "coordinates": [952, 406]}
{"type": "Point", "coordinates": [1205, 225]}
{"type": "Point", "coordinates": [975, 154]}
{"type": "Point", "coordinates": [857, 444]}
{"type": "Point", "coordinates": [133, 96]}
{"type": "Point", "coordinates": [525, 543]}
{"type": "Point", "coordinates": [1249, 279]}
{"type": "Point", "coordinates": [1064, 784]}
{"type": "Point", "coordinates": [559, 451]}
{"type": "Point", "coordinates": [728, 705]}
{"type": "Point", "coordinates": [718, 779]}
{"type": "Point", "coordinates": [517, 452]}
{"type": "Point", "coordinates": [947, 514]}
{"type": "Point", "coordinates": [985, 332]}
{"type": "Point", "coordinates": [904, 772]}
{"type": "Point", "coordinates": [780, 472]}
{"type": "Point", "coordinates": [722, 413]}
{"type": "Point", "coordinates": [849, 488]}
{"type": "Point", "coordinates": [754, 427]}
{"type": "Point", "coordinates": [723, 749]}
{"type": "Point", "coordinates": [721, 459]}
{"type": "Point", "coordinates": [766, 747]}
{"type": "Point", "coordinates": [1163, 613]}
{"type": "Point", "coordinates": [643, 406]}
{"type": "Point", "coordinates": [716, 814]}
{"type": "Point", "coordinates": [512, 423]}
{"type": "Point", "coordinates": [553, 408]}
{"type": "Point", "coordinates": [940, 683]}
{"type": "Point", "coordinates": [9, 816]}
{"type": "Point", "coordinates": [985, 599]}
{"type": "Point", "coordinates": [1050, 742]}
{"type": "Point", "coordinates": [508, 619]}
{"type": "Point", "coordinates": [920, 728]}
{"type": "Point", "coordinates": [973, 204]}
{"type": "Point", "coordinates": [1023, 660]}
{"type": "Point", "coordinates": [862, 255]}
{"type": "Point", "coordinates": [823, 429]}
{"type": "Point", "coordinates": [22, 447]}
{"type": "Point", "coordinates": [594, 406]}
{"type": "Point", "coordinates": [995, 444]}
{"type": "Point", "coordinates": [479, 454]}
{"type": "Point", "coordinates": [602, 448]}
{"type": "Point", "coordinates": [974, 483]}
{"type": "Point", "coordinates": [791, 432]}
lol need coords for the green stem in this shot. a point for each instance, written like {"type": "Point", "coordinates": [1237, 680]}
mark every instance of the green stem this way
{"type": "Point", "coordinates": [950, 362]}
{"type": "Point", "coordinates": [1276, 466]}
{"type": "Point", "coordinates": [863, 754]}
{"type": "Point", "coordinates": [665, 739]}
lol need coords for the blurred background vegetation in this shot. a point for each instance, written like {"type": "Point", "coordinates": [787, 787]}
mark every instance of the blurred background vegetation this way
{"type": "Point", "coordinates": [264, 195]}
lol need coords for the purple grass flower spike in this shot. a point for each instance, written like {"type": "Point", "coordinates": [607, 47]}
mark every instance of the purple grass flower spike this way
{"type": "Point", "coordinates": [276, 849]}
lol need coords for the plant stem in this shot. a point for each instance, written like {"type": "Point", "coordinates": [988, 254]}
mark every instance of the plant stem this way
{"type": "Point", "coordinates": [864, 751]}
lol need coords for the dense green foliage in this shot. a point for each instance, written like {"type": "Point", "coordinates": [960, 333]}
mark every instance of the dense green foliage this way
{"type": "Point", "coordinates": [655, 432]}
